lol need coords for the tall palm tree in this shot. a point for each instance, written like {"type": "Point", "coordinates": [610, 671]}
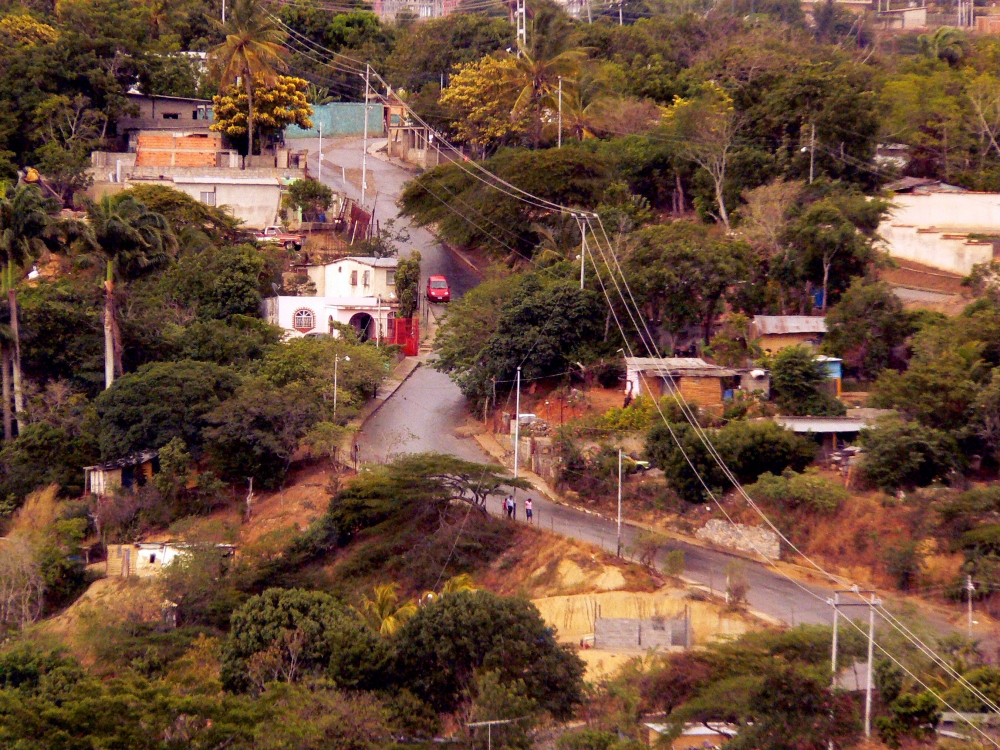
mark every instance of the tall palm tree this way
{"type": "Point", "coordinates": [27, 225]}
{"type": "Point", "coordinates": [538, 78]}
{"type": "Point", "coordinates": [252, 48]}
{"type": "Point", "coordinates": [384, 612]}
{"type": "Point", "coordinates": [129, 240]}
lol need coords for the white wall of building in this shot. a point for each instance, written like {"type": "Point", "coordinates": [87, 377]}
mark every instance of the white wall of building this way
{"type": "Point", "coordinates": [356, 277]}
{"type": "Point", "coordinates": [282, 312]}
{"type": "Point", "coordinates": [932, 229]}
{"type": "Point", "coordinates": [254, 200]}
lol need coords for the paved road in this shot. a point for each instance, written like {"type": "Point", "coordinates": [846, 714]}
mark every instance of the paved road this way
{"type": "Point", "coordinates": [342, 156]}
{"type": "Point", "coordinates": [423, 415]}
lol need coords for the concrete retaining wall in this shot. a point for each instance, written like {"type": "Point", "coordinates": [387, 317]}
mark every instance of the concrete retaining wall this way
{"type": "Point", "coordinates": [753, 539]}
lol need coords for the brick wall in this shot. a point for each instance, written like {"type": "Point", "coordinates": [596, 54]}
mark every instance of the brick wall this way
{"type": "Point", "coordinates": [705, 392]}
{"type": "Point", "coordinates": [161, 150]}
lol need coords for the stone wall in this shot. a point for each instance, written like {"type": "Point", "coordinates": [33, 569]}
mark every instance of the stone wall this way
{"type": "Point", "coordinates": [752, 539]}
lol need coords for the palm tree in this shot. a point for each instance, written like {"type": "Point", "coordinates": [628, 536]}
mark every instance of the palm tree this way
{"type": "Point", "coordinates": [252, 48]}
{"type": "Point", "coordinates": [538, 78]}
{"type": "Point", "coordinates": [384, 612]}
{"type": "Point", "coordinates": [129, 240]}
{"type": "Point", "coordinates": [27, 225]}
{"type": "Point", "coordinates": [946, 43]}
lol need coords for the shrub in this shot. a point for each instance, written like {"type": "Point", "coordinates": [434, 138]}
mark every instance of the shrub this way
{"type": "Point", "coordinates": [749, 449]}
{"type": "Point", "coordinates": [901, 454]}
{"type": "Point", "coordinates": [284, 634]}
{"type": "Point", "coordinates": [160, 402]}
{"type": "Point", "coordinates": [793, 490]}
{"type": "Point", "coordinates": [797, 382]}
{"type": "Point", "coordinates": [440, 650]}
{"type": "Point", "coordinates": [903, 563]}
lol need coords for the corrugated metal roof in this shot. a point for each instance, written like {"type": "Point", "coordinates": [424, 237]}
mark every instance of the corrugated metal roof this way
{"type": "Point", "coordinates": [824, 425]}
{"type": "Point", "coordinates": [132, 459]}
{"type": "Point", "coordinates": [768, 325]}
{"type": "Point", "coordinates": [370, 261]}
{"type": "Point", "coordinates": [677, 367]}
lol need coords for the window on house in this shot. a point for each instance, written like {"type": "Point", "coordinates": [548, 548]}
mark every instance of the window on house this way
{"type": "Point", "coordinates": [303, 320]}
{"type": "Point", "coordinates": [367, 278]}
{"type": "Point", "coordinates": [390, 278]}
{"type": "Point", "coordinates": [354, 278]}
{"type": "Point", "coordinates": [208, 198]}
{"type": "Point", "coordinates": [194, 114]}
{"type": "Point", "coordinates": [152, 558]}
{"type": "Point", "coordinates": [171, 116]}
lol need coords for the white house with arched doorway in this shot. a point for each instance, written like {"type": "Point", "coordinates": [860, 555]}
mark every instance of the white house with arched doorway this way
{"type": "Point", "coordinates": [299, 316]}
{"type": "Point", "coordinates": [356, 291]}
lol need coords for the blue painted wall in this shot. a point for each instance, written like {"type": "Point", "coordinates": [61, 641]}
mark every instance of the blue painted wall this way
{"type": "Point", "coordinates": [341, 119]}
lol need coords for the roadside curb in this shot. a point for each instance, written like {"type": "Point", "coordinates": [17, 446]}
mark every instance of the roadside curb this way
{"type": "Point", "coordinates": [460, 255]}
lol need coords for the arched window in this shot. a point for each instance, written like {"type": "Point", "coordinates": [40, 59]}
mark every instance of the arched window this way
{"type": "Point", "coordinates": [303, 320]}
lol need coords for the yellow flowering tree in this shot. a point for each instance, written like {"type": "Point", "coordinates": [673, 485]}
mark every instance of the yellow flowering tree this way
{"type": "Point", "coordinates": [276, 106]}
{"type": "Point", "coordinates": [480, 99]}
{"type": "Point", "coordinates": [22, 29]}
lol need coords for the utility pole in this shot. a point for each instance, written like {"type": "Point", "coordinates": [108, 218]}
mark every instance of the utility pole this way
{"type": "Point", "coordinates": [871, 604]}
{"type": "Point", "coordinates": [489, 728]}
{"type": "Point", "coordinates": [871, 657]}
{"type": "Point", "coordinates": [970, 587]}
{"type": "Point", "coordinates": [319, 170]}
{"type": "Point", "coordinates": [364, 142]}
{"type": "Point", "coordinates": [223, 11]}
{"type": "Point", "coordinates": [559, 143]}
{"type": "Point", "coordinates": [522, 27]}
{"type": "Point", "coordinates": [583, 250]}
{"type": "Point", "coordinates": [517, 422]}
{"type": "Point", "coordinates": [336, 360]}
{"type": "Point", "coordinates": [812, 153]}
{"type": "Point", "coordinates": [619, 552]}
{"type": "Point", "coordinates": [620, 4]}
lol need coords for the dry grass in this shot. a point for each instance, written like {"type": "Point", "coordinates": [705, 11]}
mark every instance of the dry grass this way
{"type": "Point", "coordinates": [544, 564]}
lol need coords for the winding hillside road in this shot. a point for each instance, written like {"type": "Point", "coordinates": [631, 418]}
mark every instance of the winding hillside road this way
{"type": "Point", "coordinates": [427, 410]}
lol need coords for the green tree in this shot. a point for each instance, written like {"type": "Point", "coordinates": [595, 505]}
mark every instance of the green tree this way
{"type": "Point", "coordinates": [159, 402]}
{"type": "Point", "coordinates": [479, 101]}
{"type": "Point", "coordinates": [748, 449]}
{"type": "Point", "coordinates": [408, 284]}
{"type": "Point", "coordinates": [495, 699]}
{"type": "Point", "coordinates": [681, 273]}
{"type": "Point", "coordinates": [284, 635]}
{"type": "Point", "coordinates": [705, 127]}
{"type": "Point", "coordinates": [541, 326]}
{"type": "Point", "coordinates": [865, 326]}
{"type": "Point", "coordinates": [26, 228]}
{"type": "Point", "coordinates": [252, 49]}
{"type": "Point", "coordinates": [900, 454]}
{"type": "Point", "coordinates": [435, 47]}
{"type": "Point", "coordinates": [255, 433]}
{"type": "Point", "coordinates": [825, 242]}
{"type": "Point", "coordinates": [441, 649]}
{"type": "Point", "coordinates": [130, 240]}
{"type": "Point", "coordinates": [798, 380]}
{"type": "Point", "coordinates": [309, 196]}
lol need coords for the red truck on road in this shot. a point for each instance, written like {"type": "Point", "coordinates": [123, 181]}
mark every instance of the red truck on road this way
{"type": "Point", "coordinates": [274, 236]}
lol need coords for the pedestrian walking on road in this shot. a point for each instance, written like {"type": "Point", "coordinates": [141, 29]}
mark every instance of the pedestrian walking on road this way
{"type": "Point", "coordinates": [527, 509]}
{"type": "Point", "coordinates": [507, 504]}
{"type": "Point", "coordinates": [513, 507]}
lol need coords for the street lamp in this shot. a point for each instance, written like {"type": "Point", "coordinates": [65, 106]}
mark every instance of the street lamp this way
{"type": "Point", "coordinates": [336, 360]}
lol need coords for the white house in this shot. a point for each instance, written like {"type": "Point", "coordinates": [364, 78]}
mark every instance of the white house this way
{"type": "Point", "coordinates": [356, 291]}
{"type": "Point", "coordinates": [254, 200]}
{"type": "Point", "coordinates": [356, 277]}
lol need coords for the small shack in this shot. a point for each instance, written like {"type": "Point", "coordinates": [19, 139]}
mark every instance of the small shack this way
{"type": "Point", "coordinates": [147, 559]}
{"type": "Point", "coordinates": [833, 432]}
{"type": "Point", "coordinates": [128, 472]}
{"type": "Point", "coordinates": [776, 332]}
{"type": "Point", "coordinates": [695, 379]}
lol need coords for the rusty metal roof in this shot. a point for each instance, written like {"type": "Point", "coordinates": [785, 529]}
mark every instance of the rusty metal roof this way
{"type": "Point", "coordinates": [769, 325]}
{"type": "Point", "coordinates": [691, 367]}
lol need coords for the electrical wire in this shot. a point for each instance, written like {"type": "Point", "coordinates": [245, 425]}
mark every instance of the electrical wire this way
{"type": "Point", "coordinates": [584, 216]}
